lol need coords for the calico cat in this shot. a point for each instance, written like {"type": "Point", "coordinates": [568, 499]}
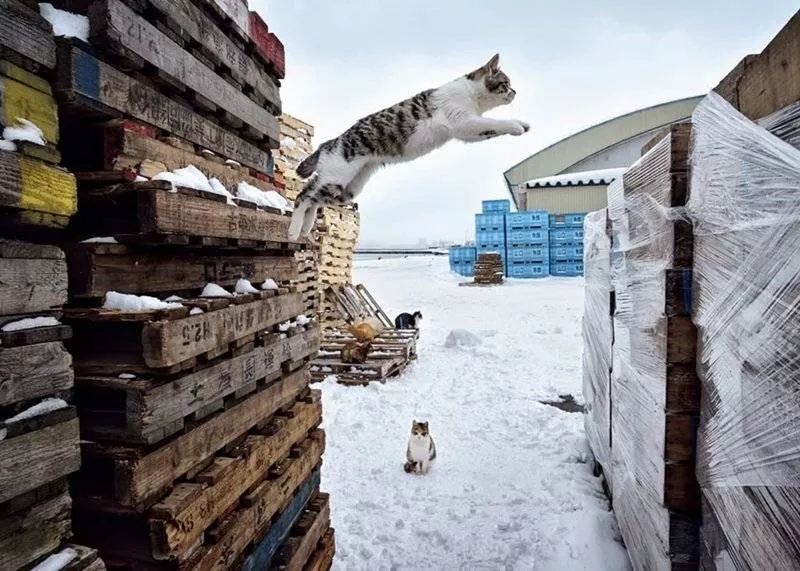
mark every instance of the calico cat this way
{"type": "Point", "coordinates": [408, 321]}
{"type": "Point", "coordinates": [421, 450]}
{"type": "Point", "coordinates": [406, 131]}
{"type": "Point", "coordinates": [355, 353]}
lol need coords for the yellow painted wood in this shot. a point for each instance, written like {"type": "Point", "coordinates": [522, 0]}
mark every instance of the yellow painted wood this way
{"type": "Point", "coordinates": [47, 189]}
{"type": "Point", "coordinates": [24, 76]}
{"type": "Point", "coordinates": [19, 100]}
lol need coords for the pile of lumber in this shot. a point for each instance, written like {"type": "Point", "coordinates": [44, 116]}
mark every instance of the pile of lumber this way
{"type": "Point", "coordinates": [745, 191]}
{"type": "Point", "coordinates": [191, 331]}
{"type": "Point", "coordinates": [336, 236]}
{"type": "Point", "coordinates": [296, 145]}
{"type": "Point", "coordinates": [489, 269]}
{"type": "Point", "coordinates": [39, 439]}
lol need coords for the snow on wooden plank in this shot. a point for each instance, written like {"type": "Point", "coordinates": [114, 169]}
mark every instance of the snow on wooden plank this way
{"type": "Point", "coordinates": [90, 85]}
{"type": "Point", "coordinates": [116, 26]}
{"type": "Point", "coordinates": [26, 34]}
{"type": "Point", "coordinates": [24, 95]}
{"type": "Point", "coordinates": [30, 185]}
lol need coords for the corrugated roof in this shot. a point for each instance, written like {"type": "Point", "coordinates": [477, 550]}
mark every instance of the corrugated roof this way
{"type": "Point", "coordinates": [603, 176]}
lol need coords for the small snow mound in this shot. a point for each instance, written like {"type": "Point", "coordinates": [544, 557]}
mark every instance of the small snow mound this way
{"type": "Point", "coordinates": [285, 326]}
{"type": "Point", "coordinates": [7, 146]}
{"type": "Point", "coordinates": [331, 379]}
{"type": "Point", "coordinates": [289, 143]}
{"type": "Point", "coordinates": [302, 320]}
{"type": "Point", "coordinates": [100, 240]}
{"type": "Point", "coordinates": [462, 338]}
{"type": "Point", "coordinates": [140, 178]}
{"type": "Point", "coordinates": [57, 561]}
{"type": "Point", "coordinates": [173, 299]}
{"type": "Point", "coordinates": [269, 284]}
{"type": "Point", "coordinates": [189, 176]}
{"type": "Point", "coordinates": [196, 311]}
{"type": "Point", "coordinates": [26, 131]}
{"type": "Point", "coordinates": [265, 199]}
{"type": "Point", "coordinates": [31, 323]}
{"type": "Point", "coordinates": [65, 23]}
{"type": "Point", "coordinates": [126, 302]}
{"type": "Point", "coordinates": [233, 163]}
{"type": "Point", "coordinates": [244, 286]}
{"type": "Point", "coordinates": [213, 290]}
{"type": "Point", "coordinates": [126, 376]}
{"type": "Point", "coordinates": [218, 188]}
{"type": "Point", "coordinates": [46, 406]}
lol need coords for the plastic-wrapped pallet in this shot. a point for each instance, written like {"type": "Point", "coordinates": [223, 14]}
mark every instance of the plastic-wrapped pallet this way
{"type": "Point", "coordinates": [598, 335]}
{"type": "Point", "coordinates": [746, 205]}
{"type": "Point", "coordinates": [655, 396]}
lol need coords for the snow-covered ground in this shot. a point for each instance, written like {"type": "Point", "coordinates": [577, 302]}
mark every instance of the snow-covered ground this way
{"type": "Point", "coordinates": [511, 488]}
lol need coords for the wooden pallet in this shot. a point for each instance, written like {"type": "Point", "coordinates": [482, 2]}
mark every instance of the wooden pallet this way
{"type": "Point", "coordinates": [398, 342]}
{"type": "Point", "coordinates": [27, 96]}
{"type": "Point", "coordinates": [308, 530]}
{"type": "Point", "coordinates": [374, 369]}
{"type": "Point", "coordinates": [147, 409]}
{"type": "Point", "coordinates": [166, 342]}
{"type": "Point", "coordinates": [88, 88]}
{"type": "Point", "coordinates": [34, 278]}
{"type": "Point", "coordinates": [322, 558]}
{"type": "Point", "coordinates": [151, 212]}
{"type": "Point", "coordinates": [25, 37]}
{"type": "Point", "coordinates": [138, 44]}
{"type": "Point", "coordinates": [187, 518]}
{"type": "Point", "coordinates": [98, 268]}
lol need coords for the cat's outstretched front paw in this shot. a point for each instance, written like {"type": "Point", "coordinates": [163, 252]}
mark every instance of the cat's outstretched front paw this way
{"type": "Point", "coordinates": [519, 127]}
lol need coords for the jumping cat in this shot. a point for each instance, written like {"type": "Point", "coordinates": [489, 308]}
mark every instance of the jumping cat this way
{"type": "Point", "coordinates": [408, 320]}
{"type": "Point", "coordinates": [404, 132]}
{"type": "Point", "coordinates": [355, 353]}
{"type": "Point", "coordinates": [421, 450]}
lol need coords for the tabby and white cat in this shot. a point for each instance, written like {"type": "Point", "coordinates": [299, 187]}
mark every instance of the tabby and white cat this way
{"type": "Point", "coordinates": [421, 450]}
{"type": "Point", "coordinates": [410, 129]}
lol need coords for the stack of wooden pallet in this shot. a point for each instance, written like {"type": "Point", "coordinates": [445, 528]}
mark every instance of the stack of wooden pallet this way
{"type": "Point", "coordinates": [296, 145]}
{"type": "Point", "coordinates": [337, 233]}
{"type": "Point", "coordinates": [745, 192]}
{"type": "Point", "coordinates": [39, 441]}
{"type": "Point", "coordinates": [655, 390]}
{"type": "Point", "coordinates": [489, 269]}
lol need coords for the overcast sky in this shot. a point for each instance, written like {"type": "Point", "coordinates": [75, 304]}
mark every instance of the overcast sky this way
{"type": "Point", "coordinates": [573, 65]}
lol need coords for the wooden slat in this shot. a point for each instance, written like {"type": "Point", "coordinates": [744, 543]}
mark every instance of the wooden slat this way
{"type": "Point", "coordinates": [296, 551]}
{"type": "Point", "coordinates": [35, 458]}
{"type": "Point", "coordinates": [30, 285]}
{"type": "Point", "coordinates": [96, 269]}
{"type": "Point", "coordinates": [322, 558]}
{"type": "Point", "coordinates": [149, 407]}
{"type": "Point", "coordinates": [31, 185]}
{"type": "Point", "coordinates": [34, 371]}
{"type": "Point", "coordinates": [173, 536]}
{"type": "Point", "coordinates": [235, 11]}
{"type": "Point", "coordinates": [114, 24]}
{"type": "Point", "coordinates": [194, 22]}
{"type": "Point", "coordinates": [89, 84]}
{"type": "Point", "coordinates": [26, 33]}
{"type": "Point", "coordinates": [167, 343]}
{"type": "Point", "coordinates": [139, 481]}
{"type": "Point", "coordinates": [27, 535]}
{"type": "Point", "coordinates": [24, 95]}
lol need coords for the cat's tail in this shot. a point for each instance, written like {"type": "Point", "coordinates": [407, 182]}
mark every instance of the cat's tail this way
{"type": "Point", "coordinates": [306, 168]}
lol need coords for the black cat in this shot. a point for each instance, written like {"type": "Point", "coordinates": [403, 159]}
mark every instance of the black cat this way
{"type": "Point", "coordinates": [408, 321]}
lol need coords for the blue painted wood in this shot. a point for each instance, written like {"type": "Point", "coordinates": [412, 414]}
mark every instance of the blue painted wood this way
{"type": "Point", "coordinates": [265, 550]}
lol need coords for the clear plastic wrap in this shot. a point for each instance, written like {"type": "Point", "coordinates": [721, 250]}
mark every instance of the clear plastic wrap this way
{"type": "Point", "coordinates": [597, 334]}
{"type": "Point", "coordinates": [745, 203]}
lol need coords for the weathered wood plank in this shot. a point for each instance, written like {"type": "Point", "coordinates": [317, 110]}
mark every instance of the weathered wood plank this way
{"type": "Point", "coordinates": [194, 22]}
{"type": "Point", "coordinates": [322, 558]}
{"type": "Point", "coordinates": [174, 536]}
{"type": "Point", "coordinates": [150, 406]}
{"type": "Point", "coordinates": [114, 24]}
{"type": "Point", "coordinates": [34, 532]}
{"type": "Point", "coordinates": [27, 96]}
{"type": "Point", "coordinates": [96, 269]}
{"type": "Point", "coordinates": [36, 458]}
{"type": "Point", "coordinates": [26, 33]}
{"type": "Point", "coordinates": [296, 551]}
{"type": "Point", "coordinates": [29, 184]}
{"type": "Point", "coordinates": [86, 82]}
{"type": "Point", "coordinates": [267, 44]}
{"type": "Point", "coordinates": [235, 11]}
{"type": "Point", "coordinates": [140, 481]}
{"type": "Point", "coordinates": [30, 286]}
{"type": "Point", "coordinates": [263, 553]}
{"type": "Point", "coordinates": [167, 343]}
{"type": "Point", "coordinates": [34, 371]}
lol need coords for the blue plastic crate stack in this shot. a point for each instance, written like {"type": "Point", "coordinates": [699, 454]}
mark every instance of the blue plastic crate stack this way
{"type": "Point", "coordinates": [527, 244]}
{"type": "Point", "coordinates": [566, 244]}
{"type": "Point", "coordinates": [462, 260]}
{"type": "Point", "coordinates": [490, 228]}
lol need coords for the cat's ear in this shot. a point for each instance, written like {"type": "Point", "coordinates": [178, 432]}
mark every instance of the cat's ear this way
{"type": "Point", "coordinates": [488, 68]}
{"type": "Point", "coordinates": [493, 64]}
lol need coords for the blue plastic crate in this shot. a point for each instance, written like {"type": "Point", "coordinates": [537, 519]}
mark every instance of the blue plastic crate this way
{"type": "Point", "coordinates": [462, 253]}
{"type": "Point", "coordinates": [566, 253]}
{"type": "Point", "coordinates": [463, 268]}
{"type": "Point", "coordinates": [566, 220]}
{"type": "Point", "coordinates": [528, 254]}
{"type": "Point", "coordinates": [528, 270]}
{"type": "Point", "coordinates": [564, 236]}
{"type": "Point", "coordinates": [496, 206]}
{"type": "Point", "coordinates": [490, 221]}
{"type": "Point", "coordinates": [526, 220]}
{"type": "Point", "coordinates": [490, 237]}
{"type": "Point", "coordinates": [566, 268]}
{"type": "Point", "coordinates": [531, 237]}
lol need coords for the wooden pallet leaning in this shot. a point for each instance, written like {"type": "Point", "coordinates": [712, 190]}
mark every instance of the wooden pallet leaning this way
{"type": "Point", "coordinates": [185, 525]}
{"type": "Point", "coordinates": [96, 268]}
{"type": "Point", "coordinates": [356, 304]}
{"type": "Point", "coordinates": [88, 88]}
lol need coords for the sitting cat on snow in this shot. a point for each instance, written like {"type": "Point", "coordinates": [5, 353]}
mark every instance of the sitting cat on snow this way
{"type": "Point", "coordinates": [406, 131]}
{"type": "Point", "coordinates": [421, 450]}
{"type": "Point", "coordinates": [408, 320]}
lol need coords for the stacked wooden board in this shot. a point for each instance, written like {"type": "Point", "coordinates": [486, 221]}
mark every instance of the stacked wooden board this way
{"type": "Point", "coordinates": [39, 440]}
{"type": "Point", "coordinates": [745, 191]}
{"type": "Point", "coordinates": [489, 269]}
{"type": "Point", "coordinates": [337, 234]}
{"type": "Point", "coordinates": [296, 145]}
{"type": "Point", "coordinates": [391, 352]}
